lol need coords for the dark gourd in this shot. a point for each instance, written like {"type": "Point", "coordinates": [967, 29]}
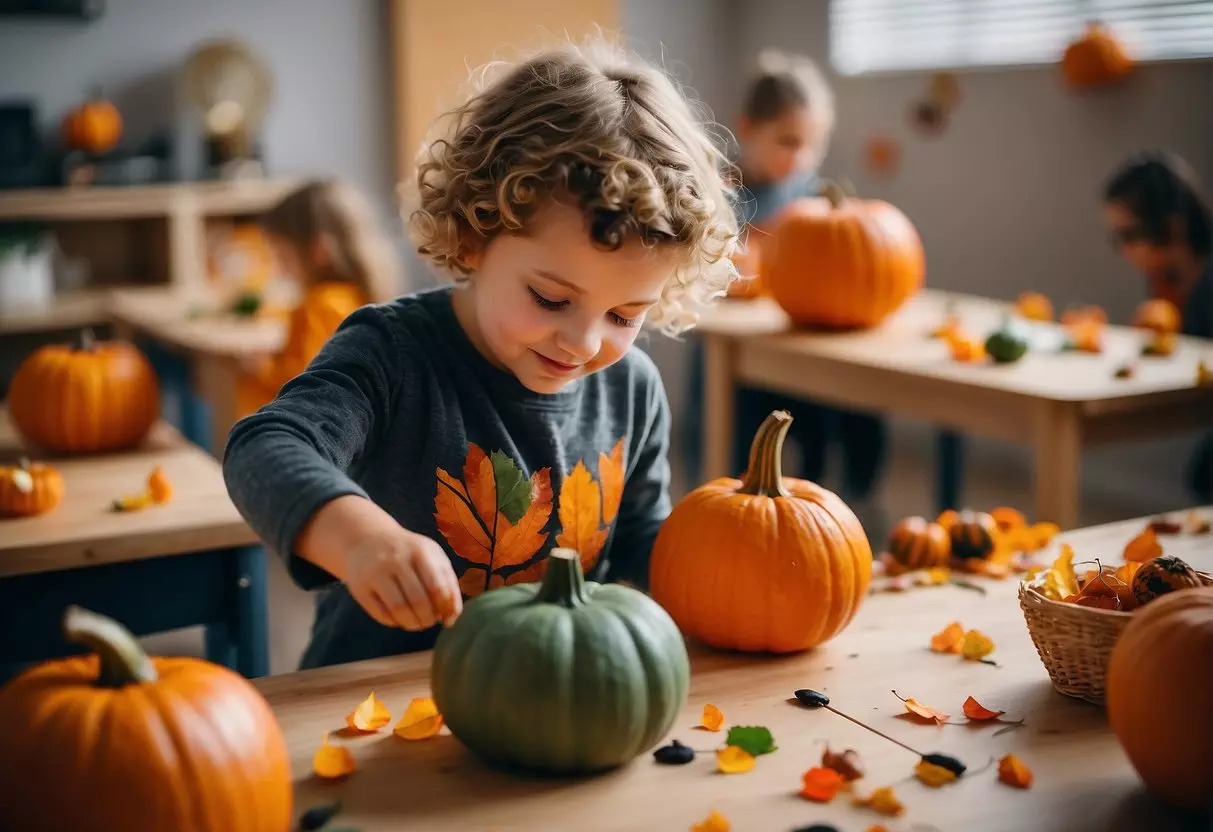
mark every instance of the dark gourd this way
{"type": "Point", "coordinates": [916, 543]}
{"type": "Point", "coordinates": [567, 676]}
{"type": "Point", "coordinates": [1008, 343]}
{"type": "Point", "coordinates": [974, 535]}
{"type": "Point", "coordinates": [1163, 574]}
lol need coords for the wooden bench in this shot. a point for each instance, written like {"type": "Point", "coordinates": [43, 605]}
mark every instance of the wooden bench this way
{"type": "Point", "coordinates": [192, 561]}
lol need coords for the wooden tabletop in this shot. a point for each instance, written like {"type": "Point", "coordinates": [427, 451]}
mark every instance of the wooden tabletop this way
{"type": "Point", "coordinates": [1082, 779]}
{"type": "Point", "coordinates": [84, 531]}
{"type": "Point", "coordinates": [182, 319]}
{"type": "Point", "coordinates": [901, 345]}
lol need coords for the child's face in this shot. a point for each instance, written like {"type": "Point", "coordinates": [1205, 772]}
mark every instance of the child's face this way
{"type": "Point", "coordinates": [1149, 258]}
{"type": "Point", "coordinates": [290, 259]}
{"type": "Point", "coordinates": [551, 307]}
{"type": "Point", "coordinates": [777, 148]}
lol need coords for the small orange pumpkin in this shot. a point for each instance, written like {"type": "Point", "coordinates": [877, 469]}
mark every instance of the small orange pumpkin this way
{"type": "Point", "coordinates": [748, 261]}
{"type": "Point", "coordinates": [29, 489]}
{"type": "Point", "coordinates": [87, 397]}
{"type": "Point", "coordinates": [974, 535]}
{"type": "Point", "coordinates": [1158, 315]}
{"type": "Point", "coordinates": [1081, 314]}
{"type": "Point", "coordinates": [1034, 306]}
{"type": "Point", "coordinates": [842, 262]}
{"type": "Point", "coordinates": [763, 564]}
{"type": "Point", "coordinates": [94, 127]}
{"type": "Point", "coordinates": [103, 741]}
{"type": "Point", "coordinates": [1161, 344]}
{"type": "Point", "coordinates": [1097, 57]}
{"type": "Point", "coordinates": [1160, 697]}
{"type": "Point", "coordinates": [1163, 574]}
{"type": "Point", "coordinates": [916, 543]}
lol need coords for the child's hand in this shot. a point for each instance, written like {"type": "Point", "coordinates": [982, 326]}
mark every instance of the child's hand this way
{"type": "Point", "coordinates": [403, 580]}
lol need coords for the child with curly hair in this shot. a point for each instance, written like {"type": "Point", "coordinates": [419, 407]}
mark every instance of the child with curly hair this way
{"type": "Point", "coordinates": [442, 443]}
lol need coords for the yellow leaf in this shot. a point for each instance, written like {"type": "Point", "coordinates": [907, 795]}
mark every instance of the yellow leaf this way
{"type": "Point", "coordinates": [1060, 581]}
{"type": "Point", "coordinates": [370, 715]}
{"type": "Point", "coordinates": [933, 775]}
{"type": "Point", "coordinates": [712, 718]}
{"type": "Point", "coordinates": [977, 645]}
{"type": "Point", "coordinates": [421, 720]}
{"type": "Point", "coordinates": [935, 576]}
{"type": "Point", "coordinates": [333, 760]}
{"type": "Point", "coordinates": [734, 760]}
{"type": "Point", "coordinates": [580, 501]}
{"type": "Point", "coordinates": [714, 822]}
{"type": "Point", "coordinates": [883, 800]}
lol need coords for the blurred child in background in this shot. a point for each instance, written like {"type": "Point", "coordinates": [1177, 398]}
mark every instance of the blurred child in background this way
{"type": "Point", "coordinates": [326, 238]}
{"type": "Point", "coordinates": [784, 132]}
{"type": "Point", "coordinates": [1161, 223]}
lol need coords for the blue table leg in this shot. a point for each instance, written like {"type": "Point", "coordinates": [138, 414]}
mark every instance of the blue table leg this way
{"type": "Point", "coordinates": [949, 461]}
{"type": "Point", "coordinates": [174, 374]}
{"type": "Point", "coordinates": [241, 639]}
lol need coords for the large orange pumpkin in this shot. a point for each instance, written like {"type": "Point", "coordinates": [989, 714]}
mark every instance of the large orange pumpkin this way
{"type": "Point", "coordinates": [29, 489]}
{"type": "Point", "coordinates": [86, 397]}
{"type": "Point", "coordinates": [1095, 58]}
{"type": "Point", "coordinates": [1160, 697]}
{"type": "Point", "coordinates": [761, 564]}
{"type": "Point", "coordinates": [95, 126]}
{"type": "Point", "coordinates": [842, 262]}
{"type": "Point", "coordinates": [118, 740]}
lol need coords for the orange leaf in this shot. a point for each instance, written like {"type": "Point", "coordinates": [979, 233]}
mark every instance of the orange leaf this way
{"type": "Point", "coordinates": [370, 715]}
{"type": "Point", "coordinates": [519, 543]}
{"type": "Point", "coordinates": [333, 760]}
{"type": "Point", "coordinates": [923, 712]}
{"type": "Point", "coordinates": [975, 710]}
{"type": "Point", "coordinates": [877, 827]}
{"type": "Point", "coordinates": [1144, 547]}
{"type": "Point", "coordinates": [532, 574]}
{"type": "Point", "coordinates": [1008, 518]}
{"type": "Point", "coordinates": [734, 760]}
{"type": "Point", "coordinates": [481, 483]}
{"type": "Point", "coordinates": [883, 800]}
{"type": "Point", "coordinates": [713, 719]}
{"type": "Point", "coordinates": [977, 645]}
{"type": "Point", "coordinates": [933, 775]}
{"type": "Point", "coordinates": [421, 720]}
{"type": "Point", "coordinates": [1013, 772]}
{"type": "Point", "coordinates": [949, 639]}
{"type": "Point", "coordinates": [610, 471]}
{"type": "Point", "coordinates": [1102, 602]}
{"type": "Point", "coordinates": [821, 784]}
{"type": "Point", "coordinates": [458, 522]}
{"type": "Point", "coordinates": [714, 822]}
{"type": "Point", "coordinates": [159, 487]}
{"type": "Point", "coordinates": [579, 516]}
{"type": "Point", "coordinates": [1043, 534]}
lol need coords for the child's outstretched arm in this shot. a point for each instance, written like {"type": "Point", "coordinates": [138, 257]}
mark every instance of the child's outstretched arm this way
{"type": "Point", "coordinates": [287, 470]}
{"type": "Point", "coordinates": [646, 492]}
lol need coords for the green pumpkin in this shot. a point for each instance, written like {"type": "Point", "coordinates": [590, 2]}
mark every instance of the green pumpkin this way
{"type": "Point", "coordinates": [1008, 343]}
{"type": "Point", "coordinates": [566, 676]}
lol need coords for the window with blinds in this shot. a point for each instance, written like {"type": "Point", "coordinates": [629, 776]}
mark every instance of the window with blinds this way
{"type": "Point", "coordinates": [890, 35]}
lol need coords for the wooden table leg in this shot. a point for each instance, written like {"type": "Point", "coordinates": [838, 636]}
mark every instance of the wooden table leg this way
{"type": "Point", "coordinates": [949, 469]}
{"type": "Point", "coordinates": [215, 384]}
{"type": "Point", "coordinates": [1058, 474]}
{"type": "Point", "coordinates": [719, 398]}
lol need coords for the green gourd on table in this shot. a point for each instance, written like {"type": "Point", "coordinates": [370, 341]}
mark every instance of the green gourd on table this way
{"type": "Point", "coordinates": [566, 676]}
{"type": "Point", "coordinates": [1008, 343]}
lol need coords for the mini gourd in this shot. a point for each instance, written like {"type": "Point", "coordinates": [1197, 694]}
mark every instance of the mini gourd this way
{"type": "Point", "coordinates": [29, 489]}
{"type": "Point", "coordinates": [974, 535]}
{"type": "Point", "coordinates": [916, 543]}
{"type": "Point", "coordinates": [1008, 343]}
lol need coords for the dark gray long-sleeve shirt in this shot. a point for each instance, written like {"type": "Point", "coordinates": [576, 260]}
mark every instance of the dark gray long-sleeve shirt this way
{"type": "Point", "coordinates": [400, 407]}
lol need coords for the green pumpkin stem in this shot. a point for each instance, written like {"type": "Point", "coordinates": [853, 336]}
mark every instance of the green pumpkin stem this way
{"type": "Point", "coordinates": [564, 582]}
{"type": "Point", "coordinates": [123, 661]}
{"type": "Point", "coordinates": [834, 192]}
{"type": "Point", "coordinates": [88, 340]}
{"type": "Point", "coordinates": [765, 474]}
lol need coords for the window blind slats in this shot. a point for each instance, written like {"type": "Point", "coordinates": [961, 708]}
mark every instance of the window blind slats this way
{"type": "Point", "coordinates": [883, 35]}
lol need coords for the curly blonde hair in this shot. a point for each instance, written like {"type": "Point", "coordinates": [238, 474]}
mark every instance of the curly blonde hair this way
{"type": "Point", "coordinates": [595, 125]}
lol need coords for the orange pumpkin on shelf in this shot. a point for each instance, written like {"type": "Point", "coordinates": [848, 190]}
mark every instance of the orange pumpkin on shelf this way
{"type": "Point", "coordinates": [916, 543]}
{"type": "Point", "coordinates": [29, 489]}
{"type": "Point", "coordinates": [763, 564]}
{"type": "Point", "coordinates": [1158, 315]}
{"type": "Point", "coordinates": [1095, 58]}
{"type": "Point", "coordinates": [94, 127]}
{"type": "Point", "coordinates": [93, 396]}
{"type": "Point", "coordinates": [1160, 696]}
{"type": "Point", "coordinates": [748, 262]}
{"type": "Point", "coordinates": [841, 262]}
{"type": "Point", "coordinates": [102, 740]}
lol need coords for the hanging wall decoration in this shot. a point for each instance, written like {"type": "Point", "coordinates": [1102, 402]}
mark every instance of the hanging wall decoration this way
{"type": "Point", "coordinates": [882, 154]}
{"type": "Point", "coordinates": [928, 118]}
{"type": "Point", "coordinates": [1096, 58]}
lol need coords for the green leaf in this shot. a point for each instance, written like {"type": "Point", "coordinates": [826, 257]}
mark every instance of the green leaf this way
{"type": "Point", "coordinates": [513, 489]}
{"type": "Point", "coordinates": [752, 738]}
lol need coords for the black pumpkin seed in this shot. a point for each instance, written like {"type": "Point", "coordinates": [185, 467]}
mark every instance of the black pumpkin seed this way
{"type": "Point", "coordinates": [674, 754]}
{"type": "Point", "coordinates": [317, 816]}
{"type": "Point", "coordinates": [944, 761]}
{"type": "Point", "coordinates": [812, 698]}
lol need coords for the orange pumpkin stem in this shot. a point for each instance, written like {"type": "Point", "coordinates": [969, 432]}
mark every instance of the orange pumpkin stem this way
{"type": "Point", "coordinates": [765, 474]}
{"type": "Point", "coordinates": [563, 582]}
{"type": "Point", "coordinates": [123, 661]}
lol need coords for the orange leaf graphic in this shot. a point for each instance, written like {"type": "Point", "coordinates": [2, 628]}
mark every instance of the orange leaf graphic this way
{"type": "Point", "coordinates": [519, 543]}
{"type": "Point", "coordinates": [458, 522]}
{"type": "Point", "coordinates": [975, 710]}
{"type": "Point", "coordinates": [579, 516]}
{"type": "Point", "coordinates": [610, 471]}
{"type": "Point", "coordinates": [481, 484]}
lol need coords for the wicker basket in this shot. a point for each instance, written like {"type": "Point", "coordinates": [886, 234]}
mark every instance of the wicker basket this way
{"type": "Point", "coordinates": [1074, 642]}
